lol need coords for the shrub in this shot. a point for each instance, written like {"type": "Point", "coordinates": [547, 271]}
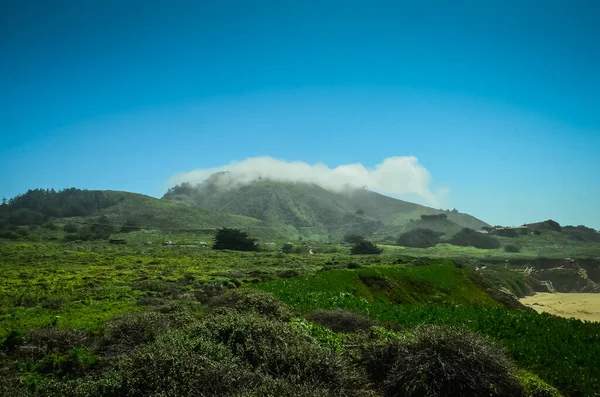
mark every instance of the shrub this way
{"type": "Point", "coordinates": [178, 365]}
{"type": "Point", "coordinates": [511, 248]}
{"type": "Point", "coordinates": [23, 232]}
{"type": "Point", "coordinates": [74, 363]}
{"type": "Point", "coordinates": [507, 232]}
{"type": "Point", "coordinates": [50, 226]}
{"type": "Point", "coordinates": [469, 237]}
{"type": "Point", "coordinates": [70, 228]}
{"type": "Point", "coordinates": [419, 238]}
{"type": "Point", "coordinates": [341, 321]}
{"type": "Point", "coordinates": [234, 239]}
{"type": "Point", "coordinates": [133, 329]}
{"type": "Point", "coordinates": [434, 217]}
{"type": "Point", "coordinates": [287, 248]}
{"type": "Point", "coordinates": [365, 247]}
{"type": "Point", "coordinates": [9, 235]}
{"type": "Point", "coordinates": [285, 352]}
{"type": "Point", "coordinates": [43, 341]}
{"type": "Point", "coordinates": [441, 361]}
{"type": "Point", "coordinates": [245, 300]}
{"type": "Point", "coordinates": [130, 226]}
{"type": "Point", "coordinates": [302, 249]}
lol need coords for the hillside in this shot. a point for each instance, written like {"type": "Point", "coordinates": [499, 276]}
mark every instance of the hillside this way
{"type": "Point", "coordinates": [309, 209]}
{"type": "Point", "coordinates": [438, 224]}
{"type": "Point", "coordinates": [117, 208]}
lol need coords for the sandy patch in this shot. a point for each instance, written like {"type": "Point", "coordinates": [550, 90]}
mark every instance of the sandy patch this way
{"type": "Point", "coordinates": [581, 306]}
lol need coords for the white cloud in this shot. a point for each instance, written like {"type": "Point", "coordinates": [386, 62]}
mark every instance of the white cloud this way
{"type": "Point", "coordinates": [394, 176]}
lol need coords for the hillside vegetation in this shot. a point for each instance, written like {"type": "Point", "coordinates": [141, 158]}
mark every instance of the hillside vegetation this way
{"type": "Point", "coordinates": [89, 318]}
{"type": "Point", "coordinates": [116, 209]}
{"type": "Point", "coordinates": [556, 349]}
{"type": "Point", "coordinates": [311, 210]}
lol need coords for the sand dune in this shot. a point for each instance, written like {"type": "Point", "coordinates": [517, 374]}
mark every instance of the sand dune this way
{"type": "Point", "coordinates": [581, 306]}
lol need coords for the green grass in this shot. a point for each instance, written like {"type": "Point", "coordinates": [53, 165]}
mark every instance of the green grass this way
{"type": "Point", "coordinates": [86, 283]}
{"type": "Point", "coordinates": [564, 352]}
{"type": "Point", "coordinates": [82, 285]}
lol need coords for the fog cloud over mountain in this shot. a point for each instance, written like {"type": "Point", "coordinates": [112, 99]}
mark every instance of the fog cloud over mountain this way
{"type": "Point", "coordinates": [401, 175]}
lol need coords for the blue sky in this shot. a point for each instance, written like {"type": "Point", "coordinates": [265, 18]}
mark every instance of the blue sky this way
{"type": "Point", "coordinates": [498, 100]}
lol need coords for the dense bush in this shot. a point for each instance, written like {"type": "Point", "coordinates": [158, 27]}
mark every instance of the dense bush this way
{"type": "Point", "coordinates": [8, 234]}
{"type": "Point", "coordinates": [42, 341]}
{"type": "Point", "coordinates": [70, 228]}
{"type": "Point", "coordinates": [287, 248]}
{"type": "Point", "coordinates": [246, 300]}
{"type": "Point", "coordinates": [341, 321]}
{"type": "Point", "coordinates": [471, 238]}
{"type": "Point", "coordinates": [434, 217]}
{"type": "Point", "coordinates": [97, 229]}
{"type": "Point", "coordinates": [285, 351]}
{"type": "Point", "coordinates": [234, 239]}
{"type": "Point", "coordinates": [177, 365]}
{"type": "Point", "coordinates": [507, 232]}
{"type": "Point", "coordinates": [512, 248]}
{"type": "Point", "coordinates": [365, 247]}
{"type": "Point", "coordinates": [130, 330]}
{"type": "Point", "coordinates": [441, 361]}
{"type": "Point", "coordinates": [130, 226]}
{"type": "Point", "coordinates": [419, 238]}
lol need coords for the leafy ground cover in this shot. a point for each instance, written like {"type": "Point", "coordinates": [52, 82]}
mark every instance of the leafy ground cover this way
{"type": "Point", "coordinates": [564, 352]}
{"type": "Point", "coordinates": [86, 295]}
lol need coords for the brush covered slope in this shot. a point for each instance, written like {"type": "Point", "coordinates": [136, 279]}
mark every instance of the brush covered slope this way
{"type": "Point", "coordinates": [116, 209]}
{"type": "Point", "coordinates": [308, 209]}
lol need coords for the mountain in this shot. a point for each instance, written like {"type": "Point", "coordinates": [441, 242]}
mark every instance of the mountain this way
{"type": "Point", "coordinates": [117, 208]}
{"type": "Point", "coordinates": [308, 209]}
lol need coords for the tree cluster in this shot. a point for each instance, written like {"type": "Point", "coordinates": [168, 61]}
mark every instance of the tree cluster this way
{"type": "Point", "coordinates": [419, 238]}
{"type": "Point", "coordinates": [470, 238]}
{"type": "Point", "coordinates": [38, 205]}
{"type": "Point", "coordinates": [365, 247]}
{"type": "Point", "coordinates": [234, 239]}
{"type": "Point", "coordinates": [434, 217]}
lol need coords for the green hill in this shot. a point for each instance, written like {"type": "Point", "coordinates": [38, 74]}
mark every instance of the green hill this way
{"type": "Point", "coordinates": [150, 212]}
{"type": "Point", "coordinates": [310, 210]}
{"type": "Point", "coordinates": [117, 209]}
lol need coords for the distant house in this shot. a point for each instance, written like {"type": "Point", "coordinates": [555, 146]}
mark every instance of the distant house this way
{"type": "Point", "coordinates": [203, 244]}
{"type": "Point", "coordinates": [117, 241]}
{"type": "Point", "coordinates": [169, 243]}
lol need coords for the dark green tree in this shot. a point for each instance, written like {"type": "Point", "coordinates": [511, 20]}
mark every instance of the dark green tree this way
{"type": "Point", "coordinates": [365, 247]}
{"type": "Point", "coordinates": [471, 238]}
{"type": "Point", "coordinates": [234, 239]}
{"type": "Point", "coordinates": [419, 238]}
{"type": "Point", "coordinates": [287, 248]}
{"type": "Point", "coordinates": [70, 228]}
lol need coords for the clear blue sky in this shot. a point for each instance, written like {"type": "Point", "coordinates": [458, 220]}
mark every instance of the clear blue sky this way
{"type": "Point", "coordinates": [499, 100]}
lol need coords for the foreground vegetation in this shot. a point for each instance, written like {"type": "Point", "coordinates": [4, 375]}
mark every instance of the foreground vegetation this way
{"type": "Point", "coordinates": [94, 319]}
{"type": "Point", "coordinates": [565, 352]}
